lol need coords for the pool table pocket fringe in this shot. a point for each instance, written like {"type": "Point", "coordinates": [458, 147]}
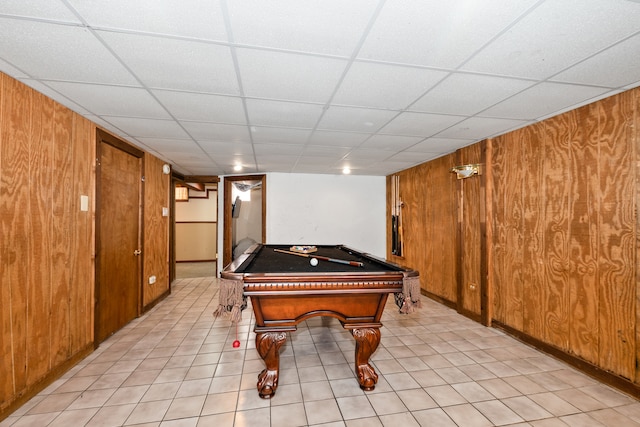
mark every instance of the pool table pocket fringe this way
{"type": "Point", "coordinates": [409, 299]}
{"type": "Point", "coordinates": [231, 299]}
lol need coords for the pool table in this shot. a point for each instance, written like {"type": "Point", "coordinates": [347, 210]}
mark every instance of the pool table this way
{"type": "Point", "coordinates": [285, 289]}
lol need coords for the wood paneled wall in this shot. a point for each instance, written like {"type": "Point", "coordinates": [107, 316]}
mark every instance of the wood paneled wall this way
{"type": "Point", "coordinates": [565, 248]}
{"type": "Point", "coordinates": [471, 227]}
{"type": "Point", "coordinates": [46, 241]}
{"type": "Point", "coordinates": [155, 231]}
{"type": "Point", "coordinates": [47, 272]}
{"type": "Point", "coordinates": [561, 241]}
{"type": "Point", "coordinates": [428, 192]}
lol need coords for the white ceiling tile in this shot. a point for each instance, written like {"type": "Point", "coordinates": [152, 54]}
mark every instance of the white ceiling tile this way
{"type": "Point", "coordinates": [308, 160]}
{"type": "Point", "coordinates": [478, 128]}
{"type": "Point", "coordinates": [166, 145]}
{"type": "Point", "coordinates": [305, 162]}
{"type": "Point", "coordinates": [9, 69]}
{"type": "Point", "coordinates": [439, 145]}
{"type": "Point", "coordinates": [310, 169]}
{"type": "Point", "coordinates": [437, 33]}
{"type": "Point", "coordinates": [385, 86]}
{"type": "Point", "coordinates": [575, 28]}
{"type": "Point", "coordinates": [390, 166]}
{"type": "Point", "coordinates": [329, 26]}
{"type": "Point", "coordinates": [534, 102]}
{"type": "Point", "coordinates": [231, 160]}
{"type": "Point", "coordinates": [46, 90]}
{"type": "Point", "coordinates": [419, 124]}
{"type": "Point", "coordinates": [112, 100]}
{"type": "Point", "coordinates": [200, 19]}
{"type": "Point", "coordinates": [368, 154]}
{"type": "Point", "coordinates": [224, 148]}
{"type": "Point", "coordinates": [400, 102]}
{"type": "Point", "coordinates": [194, 162]}
{"type": "Point", "coordinates": [150, 128]}
{"type": "Point", "coordinates": [202, 107]}
{"type": "Point", "coordinates": [262, 135]}
{"type": "Point", "coordinates": [53, 10]}
{"type": "Point", "coordinates": [617, 66]}
{"type": "Point", "coordinates": [267, 161]}
{"type": "Point", "coordinates": [355, 119]}
{"type": "Point", "coordinates": [275, 168]}
{"type": "Point", "coordinates": [187, 151]}
{"type": "Point", "coordinates": [391, 142]}
{"type": "Point", "coordinates": [414, 157]}
{"type": "Point", "coordinates": [277, 149]}
{"type": "Point", "coordinates": [228, 164]}
{"type": "Point", "coordinates": [283, 114]}
{"type": "Point", "coordinates": [208, 171]}
{"type": "Point", "coordinates": [42, 46]}
{"type": "Point", "coordinates": [355, 165]}
{"type": "Point", "coordinates": [326, 152]}
{"type": "Point", "coordinates": [340, 139]}
{"type": "Point", "coordinates": [165, 63]}
{"type": "Point", "coordinates": [468, 94]}
{"type": "Point", "coordinates": [287, 76]}
{"type": "Point", "coordinates": [111, 128]}
{"type": "Point", "coordinates": [217, 131]}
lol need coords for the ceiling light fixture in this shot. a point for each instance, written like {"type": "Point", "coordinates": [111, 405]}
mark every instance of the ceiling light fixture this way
{"type": "Point", "coordinates": [237, 167]}
{"type": "Point", "coordinates": [182, 194]}
{"type": "Point", "coordinates": [346, 170]}
{"type": "Point", "coordinates": [467, 171]}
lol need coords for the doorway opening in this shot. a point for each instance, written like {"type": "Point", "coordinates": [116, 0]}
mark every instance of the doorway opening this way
{"type": "Point", "coordinates": [244, 214]}
{"type": "Point", "coordinates": [194, 226]}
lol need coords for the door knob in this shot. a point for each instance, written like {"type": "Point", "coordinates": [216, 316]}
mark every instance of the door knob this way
{"type": "Point", "coordinates": [137, 252]}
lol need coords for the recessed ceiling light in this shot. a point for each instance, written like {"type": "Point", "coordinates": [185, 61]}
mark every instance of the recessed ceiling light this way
{"type": "Point", "coordinates": [346, 170]}
{"type": "Point", "coordinates": [237, 168]}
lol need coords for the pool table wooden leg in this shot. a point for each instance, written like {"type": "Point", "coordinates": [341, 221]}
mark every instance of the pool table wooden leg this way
{"type": "Point", "coordinates": [268, 345]}
{"type": "Point", "coordinates": [367, 340]}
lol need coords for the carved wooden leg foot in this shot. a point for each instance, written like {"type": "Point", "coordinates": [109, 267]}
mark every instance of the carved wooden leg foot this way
{"type": "Point", "coordinates": [367, 340]}
{"type": "Point", "coordinates": [267, 383]}
{"type": "Point", "coordinates": [268, 345]}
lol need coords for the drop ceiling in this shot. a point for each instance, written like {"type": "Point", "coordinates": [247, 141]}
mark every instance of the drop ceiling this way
{"type": "Point", "coordinates": [313, 86]}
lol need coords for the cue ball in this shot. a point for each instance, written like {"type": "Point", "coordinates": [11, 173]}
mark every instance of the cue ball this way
{"type": "Point", "coordinates": [313, 261]}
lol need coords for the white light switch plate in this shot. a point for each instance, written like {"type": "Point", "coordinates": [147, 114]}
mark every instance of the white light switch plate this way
{"type": "Point", "coordinates": [84, 203]}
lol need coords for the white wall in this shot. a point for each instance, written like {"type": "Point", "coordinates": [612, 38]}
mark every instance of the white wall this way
{"type": "Point", "coordinates": [322, 209]}
{"type": "Point", "coordinates": [196, 236]}
{"type": "Point", "coordinates": [327, 209]}
{"type": "Point", "coordinates": [198, 209]}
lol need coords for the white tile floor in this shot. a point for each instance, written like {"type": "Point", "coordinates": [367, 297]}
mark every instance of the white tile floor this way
{"type": "Point", "coordinates": [176, 367]}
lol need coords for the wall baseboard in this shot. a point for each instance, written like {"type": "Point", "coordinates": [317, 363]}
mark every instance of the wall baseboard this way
{"type": "Point", "coordinates": [46, 381]}
{"type": "Point", "coordinates": [622, 384]}
{"type": "Point", "coordinates": [616, 381]}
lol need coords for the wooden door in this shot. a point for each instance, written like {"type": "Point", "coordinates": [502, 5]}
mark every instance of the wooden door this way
{"type": "Point", "coordinates": [118, 243]}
